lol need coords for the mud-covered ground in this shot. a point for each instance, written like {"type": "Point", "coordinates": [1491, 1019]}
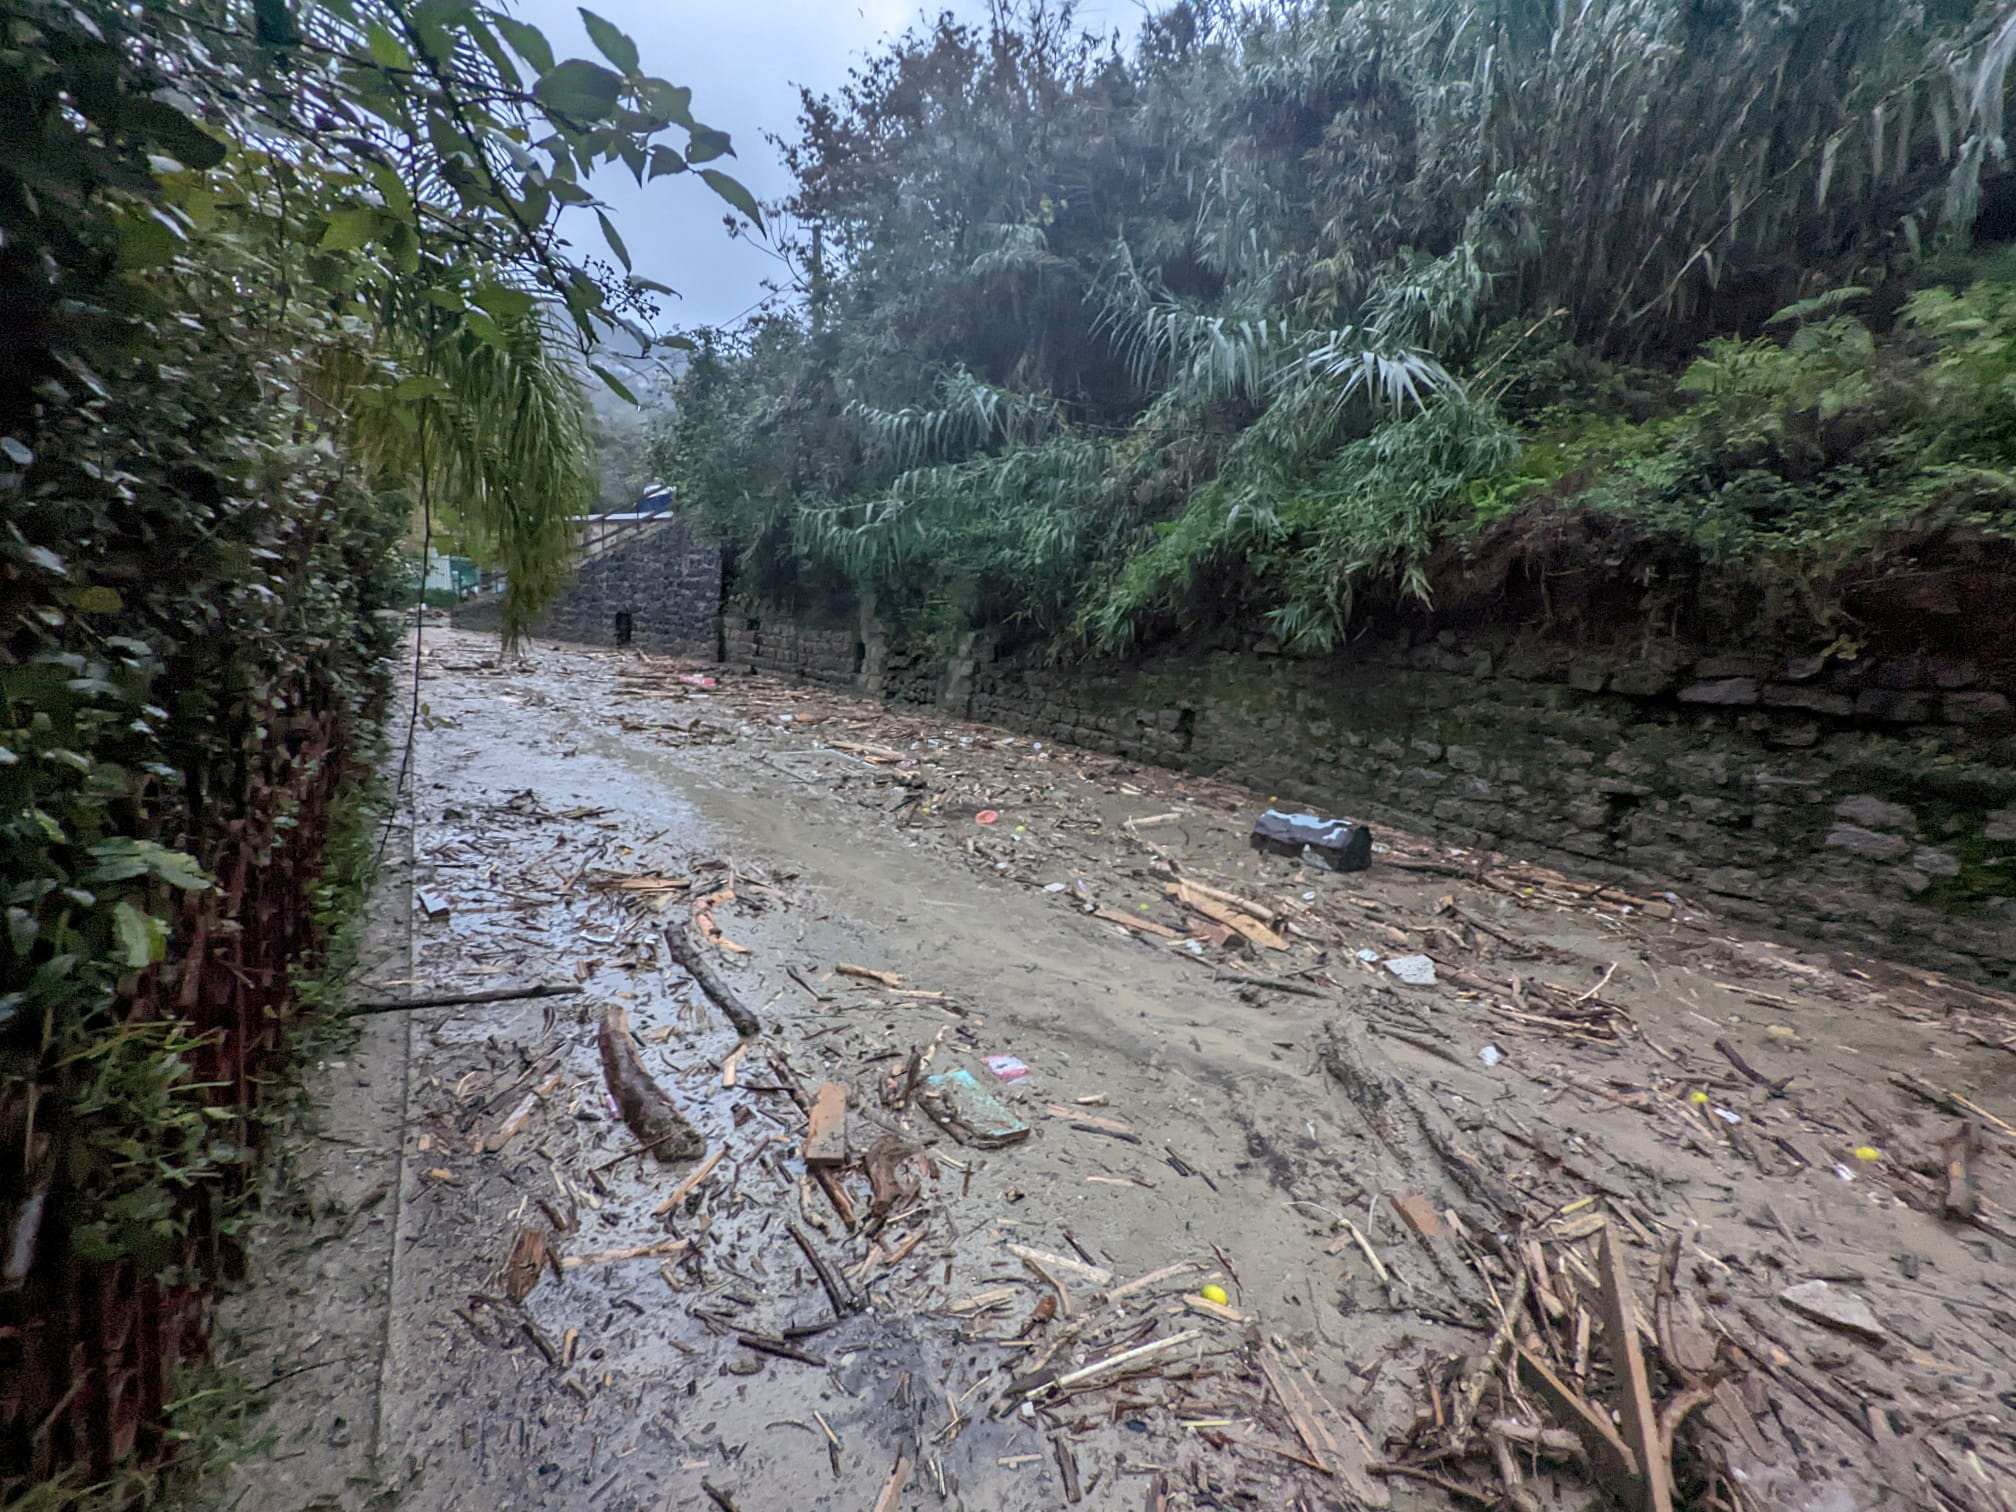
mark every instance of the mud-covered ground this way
{"type": "Point", "coordinates": [1412, 1197]}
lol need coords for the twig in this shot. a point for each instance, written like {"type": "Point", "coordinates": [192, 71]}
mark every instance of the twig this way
{"type": "Point", "coordinates": [463, 999]}
{"type": "Point", "coordinates": [767, 1345]}
{"type": "Point", "coordinates": [837, 1291]}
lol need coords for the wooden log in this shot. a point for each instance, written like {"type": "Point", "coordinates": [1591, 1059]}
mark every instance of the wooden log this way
{"type": "Point", "coordinates": [642, 1102]}
{"type": "Point", "coordinates": [679, 944]}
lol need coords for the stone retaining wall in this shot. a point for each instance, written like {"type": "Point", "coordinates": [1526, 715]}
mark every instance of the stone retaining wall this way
{"type": "Point", "coordinates": [1870, 802]}
{"type": "Point", "coordinates": [662, 577]}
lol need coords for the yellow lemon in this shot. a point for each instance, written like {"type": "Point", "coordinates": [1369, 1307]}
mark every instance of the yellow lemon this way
{"type": "Point", "coordinates": [1699, 1099]}
{"type": "Point", "coordinates": [1868, 1152]}
{"type": "Point", "coordinates": [1213, 1293]}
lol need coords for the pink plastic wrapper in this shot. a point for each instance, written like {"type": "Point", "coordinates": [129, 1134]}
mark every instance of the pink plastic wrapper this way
{"type": "Point", "coordinates": [1007, 1067]}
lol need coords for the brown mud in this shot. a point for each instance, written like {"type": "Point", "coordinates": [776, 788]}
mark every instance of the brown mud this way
{"type": "Point", "coordinates": [1558, 1096]}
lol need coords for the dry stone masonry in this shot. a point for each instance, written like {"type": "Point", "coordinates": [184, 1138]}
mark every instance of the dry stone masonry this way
{"type": "Point", "coordinates": [1866, 800]}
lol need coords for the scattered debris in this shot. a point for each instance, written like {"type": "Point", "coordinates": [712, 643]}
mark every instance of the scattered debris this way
{"type": "Point", "coordinates": [1414, 970]}
{"type": "Point", "coordinates": [1337, 844]}
{"type": "Point", "coordinates": [969, 1112]}
{"type": "Point", "coordinates": [1819, 1302]}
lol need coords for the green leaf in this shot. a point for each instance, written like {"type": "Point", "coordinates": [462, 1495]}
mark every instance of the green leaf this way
{"type": "Point", "coordinates": [421, 386]}
{"type": "Point", "coordinates": [386, 50]}
{"type": "Point", "coordinates": [610, 42]}
{"type": "Point", "coordinates": [148, 241]}
{"type": "Point", "coordinates": [143, 939]}
{"type": "Point", "coordinates": [672, 101]}
{"type": "Point", "coordinates": [733, 192]}
{"type": "Point", "coordinates": [615, 242]}
{"type": "Point", "coordinates": [526, 40]}
{"type": "Point", "coordinates": [663, 161]}
{"type": "Point", "coordinates": [121, 859]}
{"type": "Point", "coordinates": [348, 229]}
{"type": "Point", "coordinates": [274, 24]}
{"type": "Point", "coordinates": [502, 302]}
{"type": "Point", "coordinates": [616, 385]}
{"type": "Point", "coordinates": [707, 145]}
{"type": "Point", "coordinates": [485, 329]}
{"type": "Point", "coordinates": [172, 133]}
{"type": "Point", "coordinates": [579, 89]}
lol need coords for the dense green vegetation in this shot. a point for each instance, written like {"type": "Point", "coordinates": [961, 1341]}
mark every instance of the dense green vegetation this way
{"type": "Point", "coordinates": [280, 284]}
{"type": "Point", "coordinates": [1254, 318]}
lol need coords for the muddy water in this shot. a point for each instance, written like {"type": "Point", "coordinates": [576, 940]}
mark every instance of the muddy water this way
{"type": "Point", "coordinates": [628, 1384]}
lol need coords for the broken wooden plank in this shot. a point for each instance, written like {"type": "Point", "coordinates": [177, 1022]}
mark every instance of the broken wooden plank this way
{"type": "Point", "coordinates": [1618, 1464]}
{"type": "Point", "coordinates": [1419, 1214]}
{"type": "Point", "coordinates": [1138, 925]}
{"type": "Point", "coordinates": [526, 1264]}
{"type": "Point", "coordinates": [826, 1125]}
{"type": "Point", "coordinates": [510, 1127]}
{"type": "Point", "coordinates": [1224, 913]}
{"type": "Point", "coordinates": [1300, 1417]}
{"type": "Point", "coordinates": [1636, 1411]}
{"type": "Point", "coordinates": [1259, 911]}
{"type": "Point", "coordinates": [1091, 1275]}
{"type": "Point", "coordinates": [1962, 1198]}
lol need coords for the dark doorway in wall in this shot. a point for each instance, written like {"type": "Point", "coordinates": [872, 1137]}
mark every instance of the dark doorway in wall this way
{"type": "Point", "coordinates": [624, 627]}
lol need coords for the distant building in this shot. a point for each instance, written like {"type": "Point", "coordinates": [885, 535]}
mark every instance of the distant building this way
{"type": "Point", "coordinates": [450, 574]}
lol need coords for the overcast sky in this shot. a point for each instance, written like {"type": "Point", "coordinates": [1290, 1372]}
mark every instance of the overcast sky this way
{"type": "Point", "coordinates": [744, 60]}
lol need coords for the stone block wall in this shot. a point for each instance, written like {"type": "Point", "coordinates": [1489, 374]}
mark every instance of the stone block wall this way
{"type": "Point", "coordinates": [1869, 802]}
{"type": "Point", "coordinates": [666, 580]}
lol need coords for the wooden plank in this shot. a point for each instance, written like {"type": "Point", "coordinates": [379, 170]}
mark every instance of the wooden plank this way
{"type": "Point", "coordinates": [1227, 915]}
{"type": "Point", "coordinates": [1639, 1416]}
{"type": "Point", "coordinates": [1419, 1214]}
{"type": "Point", "coordinates": [1297, 1409]}
{"type": "Point", "coordinates": [1616, 1463]}
{"type": "Point", "coordinates": [1139, 926]}
{"type": "Point", "coordinates": [826, 1125]}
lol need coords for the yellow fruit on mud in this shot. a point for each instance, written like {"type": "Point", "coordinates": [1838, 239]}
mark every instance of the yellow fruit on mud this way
{"type": "Point", "coordinates": [1213, 1293]}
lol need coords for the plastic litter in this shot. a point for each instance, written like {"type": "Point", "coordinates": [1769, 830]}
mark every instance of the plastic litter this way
{"type": "Point", "coordinates": [1414, 970]}
{"type": "Point", "coordinates": [1338, 844]}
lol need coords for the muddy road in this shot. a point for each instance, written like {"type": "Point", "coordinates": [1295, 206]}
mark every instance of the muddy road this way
{"type": "Point", "coordinates": [1285, 1228]}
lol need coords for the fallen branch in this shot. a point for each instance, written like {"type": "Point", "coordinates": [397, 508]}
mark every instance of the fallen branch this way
{"type": "Point", "coordinates": [838, 1292]}
{"type": "Point", "coordinates": [463, 999]}
{"type": "Point", "coordinates": [642, 1102]}
{"type": "Point", "coordinates": [1272, 984]}
{"type": "Point", "coordinates": [679, 944]}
